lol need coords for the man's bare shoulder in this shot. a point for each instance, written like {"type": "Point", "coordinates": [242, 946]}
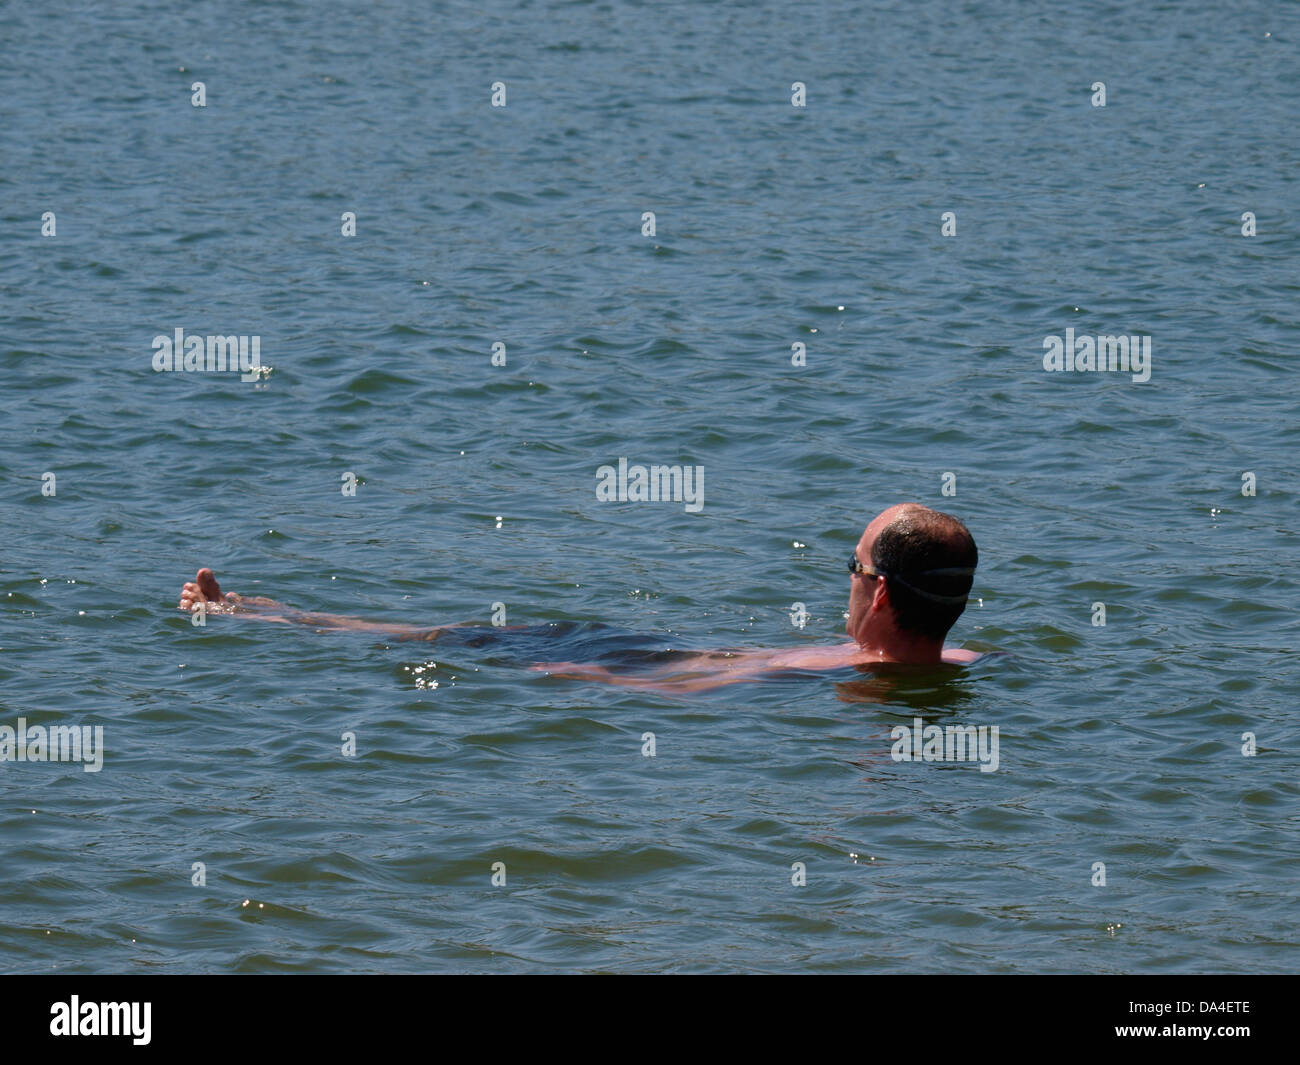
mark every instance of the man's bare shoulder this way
{"type": "Point", "coordinates": [840, 656]}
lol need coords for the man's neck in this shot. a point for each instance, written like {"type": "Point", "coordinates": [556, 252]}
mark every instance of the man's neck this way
{"type": "Point", "coordinates": [895, 646]}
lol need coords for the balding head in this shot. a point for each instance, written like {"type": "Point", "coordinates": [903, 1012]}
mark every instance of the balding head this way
{"type": "Point", "coordinates": [927, 560]}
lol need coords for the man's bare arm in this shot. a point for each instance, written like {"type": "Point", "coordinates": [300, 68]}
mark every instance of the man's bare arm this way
{"type": "Point", "coordinates": [700, 672]}
{"type": "Point", "coordinates": [205, 590]}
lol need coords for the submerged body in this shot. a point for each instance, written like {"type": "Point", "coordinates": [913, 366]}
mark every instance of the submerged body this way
{"type": "Point", "coordinates": [901, 606]}
{"type": "Point", "coordinates": [623, 659]}
{"type": "Point", "coordinates": [700, 670]}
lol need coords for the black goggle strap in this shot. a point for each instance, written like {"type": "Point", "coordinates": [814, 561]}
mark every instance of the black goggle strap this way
{"type": "Point", "coordinates": [951, 571]}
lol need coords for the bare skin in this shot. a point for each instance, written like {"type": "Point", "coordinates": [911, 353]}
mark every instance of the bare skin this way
{"type": "Point", "coordinates": [874, 638]}
{"type": "Point", "coordinates": [205, 590]}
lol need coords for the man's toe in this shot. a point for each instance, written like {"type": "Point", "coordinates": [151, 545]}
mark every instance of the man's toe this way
{"type": "Point", "coordinates": [208, 586]}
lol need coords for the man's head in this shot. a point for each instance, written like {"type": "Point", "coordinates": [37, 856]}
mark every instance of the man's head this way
{"type": "Point", "coordinates": [915, 567]}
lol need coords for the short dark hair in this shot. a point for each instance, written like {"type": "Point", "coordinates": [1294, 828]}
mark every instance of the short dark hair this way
{"type": "Point", "coordinates": [918, 541]}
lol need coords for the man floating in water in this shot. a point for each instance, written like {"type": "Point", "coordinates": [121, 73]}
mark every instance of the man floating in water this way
{"type": "Point", "coordinates": [910, 577]}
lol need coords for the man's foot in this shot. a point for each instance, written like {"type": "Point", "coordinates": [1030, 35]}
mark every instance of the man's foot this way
{"type": "Point", "coordinates": [203, 589]}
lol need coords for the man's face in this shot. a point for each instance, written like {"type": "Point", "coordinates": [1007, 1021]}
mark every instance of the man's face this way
{"type": "Point", "coordinates": [864, 590]}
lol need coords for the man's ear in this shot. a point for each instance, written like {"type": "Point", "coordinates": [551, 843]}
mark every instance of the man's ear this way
{"type": "Point", "coordinates": [880, 600]}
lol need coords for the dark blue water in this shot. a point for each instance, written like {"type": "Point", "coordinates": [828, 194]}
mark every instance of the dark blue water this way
{"type": "Point", "coordinates": [475, 483]}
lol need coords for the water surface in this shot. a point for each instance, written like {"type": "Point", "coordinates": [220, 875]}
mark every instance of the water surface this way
{"type": "Point", "coordinates": [522, 225]}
